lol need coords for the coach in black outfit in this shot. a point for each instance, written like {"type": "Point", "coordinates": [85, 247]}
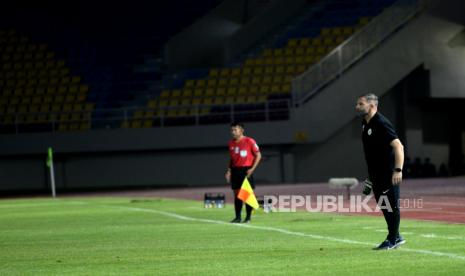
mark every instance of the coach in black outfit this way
{"type": "Point", "coordinates": [384, 155]}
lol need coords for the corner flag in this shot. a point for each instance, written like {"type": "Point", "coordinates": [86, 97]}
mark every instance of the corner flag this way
{"type": "Point", "coordinates": [247, 195]}
{"type": "Point", "coordinates": [49, 157]}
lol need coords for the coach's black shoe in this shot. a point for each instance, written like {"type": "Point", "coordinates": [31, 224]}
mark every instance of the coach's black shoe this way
{"type": "Point", "coordinates": [385, 245]}
{"type": "Point", "coordinates": [400, 240]}
{"type": "Point", "coordinates": [236, 220]}
{"type": "Point", "coordinates": [246, 220]}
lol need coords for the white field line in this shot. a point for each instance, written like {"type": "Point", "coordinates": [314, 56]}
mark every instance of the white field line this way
{"type": "Point", "coordinates": [287, 232]}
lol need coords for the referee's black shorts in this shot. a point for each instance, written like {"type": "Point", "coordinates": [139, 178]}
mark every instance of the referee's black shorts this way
{"type": "Point", "coordinates": [238, 175]}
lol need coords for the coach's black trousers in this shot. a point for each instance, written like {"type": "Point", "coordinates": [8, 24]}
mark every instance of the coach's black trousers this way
{"type": "Point", "coordinates": [391, 215]}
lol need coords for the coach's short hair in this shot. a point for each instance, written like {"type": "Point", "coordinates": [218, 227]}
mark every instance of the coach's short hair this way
{"type": "Point", "coordinates": [237, 124]}
{"type": "Point", "coordinates": [370, 97]}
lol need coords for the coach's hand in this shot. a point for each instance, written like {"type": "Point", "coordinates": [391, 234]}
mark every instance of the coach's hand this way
{"type": "Point", "coordinates": [227, 175]}
{"type": "Point", "coordinates": [396, 178]}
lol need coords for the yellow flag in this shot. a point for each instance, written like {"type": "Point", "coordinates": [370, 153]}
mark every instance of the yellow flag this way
{"type": "Point", "coordinates": [246, 194]}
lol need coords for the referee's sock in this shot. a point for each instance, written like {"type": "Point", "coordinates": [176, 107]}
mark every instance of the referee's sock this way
{"type": "Point", "coordinates": [238, 207]}
{"type": "Point", "coordinates": [249, 211]}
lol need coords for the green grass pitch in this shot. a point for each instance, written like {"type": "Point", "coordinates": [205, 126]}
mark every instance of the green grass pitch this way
{"type": "Point", "coordinates": [120, 236]}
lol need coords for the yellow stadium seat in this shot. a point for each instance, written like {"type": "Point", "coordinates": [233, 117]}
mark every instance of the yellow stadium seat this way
{"type": "Point", "coordinates": [136, 124]}
{"type": "Point", "coordinates": [89, 106]}
{"type": "Point", "coordinates": [56, 107]}
{"type": "Point", "coordinates": [364, 20]}
{"type": "Point", "coordinates": [213, 73]}
{"type": "Point", "coordinates": [231, 91]}
{"type": "Point", "coordinates": [218, 100]}
{"type": "Point", "coordinates": [199, 92]}
{"type": "Point", "coordinates": [339, 40]}
{"type": "Point", "coordinates": [81, 97]}
{"type": "Point", "coordinates": [220, 91]}
{"type": "Point", "coordinates": [147, 123]}
{"type": "Point", "coordinates": [84, 126]}
{"type": "Point", "coordinates": [201, 83]}
{"type": "Point", "coordinates": [64, 117]}
{"type": "Point", "coordinates": [22, 109]}
{"type": "Point", "coordinates": [229, 100]}
{"type": "Point", "coordinates": [77, 107]}
{"type": "Point", "coordinates": [286, 88]}
{"type": "Point", "coordinates": [208, 101]}
{"type": "Point", "coordinates": [300, 69]}
{"type": "Point", "coordinates": [186, 102]}
{"type": "Point", "coordinates": [83, 88]}
{"type": "Point", "coordinates": [225, 72]}
{"type": "Point", "coordinates": [304, 42]}
{"type": "Point", "coordinates": [268, 61]}
{"type": "Point", "coordinates": [212, 82]}
{"type": "Point", "coordinates": [347, 31]}
{"type": "Point", "coordinates": [209, 92]}
{"type": "Point", "coordinates": [187, 93]}
{"type": "Point", "coordinates": [125, 124]}
{"type": "Point", "coordinates": [261, 99]}
{"type": "Point", "coordinates": [138, 114]}
{"type": "Point", "coordinates": [258, 70]}
{"type": "Point", "coordinates": [292, 42]}
{"type": "Point", "coordinates": [245, 81]}
{"type": "Point", "coordinates": [62, 89]}
{"type": "Point", "coordinates": [269, 70]}
{"type": "Point", "coordinates": [250, 62]}
{"type": "Point", "coordinates": [233, 81]}
{"type": "Point", "coordinates": [275, 89]}
{"type": "Point", "coordinates": [278, 52]}
{"type": "Point", "coordinates": [321, 50]}
{"type": "Point", "coordinates": [59, 98]}
{"type": "Point", "coordinates": [189, 83]}
{"type": "Point", "coordinates": [236, 72]}
{"type": "Point", "coordinates": [196, 101]}
{"type": "Point", "coordinates": [173, 103]}
{"type": "Point", "coordinates": [290, 69]}
{"type": "Point", "coordinates": [165, 94]}
{"type": "Point", "coordinates": [36, 100]}
{"type": "Point", "coordinates": [75, 116]}
{"type": "Point", "coordinates": [278, 79]}
{"type": "Point", "coordinates": [73, 89]}
{"type": "Point", "coordinates": [75, 79]}
{"type": "Point", "coordinates": [223, 82]}
{"type": "Point", "coordinates": [251, 99]}
{"type": "Point", "coordinates": [267, 52]}
{"type": "Point", "coordinates": [241, 100]}
{"type": "Point", "coordinates": [289, 52]}
{"type": "Point", "coordinates": [152, 103]}
{"type": "Point", "coordinates": [242, 90]}
{"type": "Point", "coordinates": [253, 89]}
{"type": "Point", "coordinates": [42, 118]}
{"type": "Point", "coordinates": [176, 93]}
{"type": "Point", "coordinates": [316, 42]}
{"type": "Point", "coordinates": [149, 114]}
{"type": "Point", "coordinates": [246, 71]}
{"type": "Point", "coordinates": [183, 112]}
{"type": "Point", "coordinates": [62, 127]}
{"type": "Point", "coordinates": [264, 89]}
{"type": "Point", "coordinates": [267, 79]}
{"type": "Point", "coordinates": [259, 61]}
{"type": "Point", "coordinates": [256, 80]}
{"type": "Point", "coordinates": [279, 60]}
{"type": "Point", "coordinates": [171, 113]}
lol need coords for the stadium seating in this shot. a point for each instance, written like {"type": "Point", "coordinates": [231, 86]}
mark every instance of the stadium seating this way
{"type": "Point", "coordinates": [37, 90]}
{"type": "Point", "coordinates": [261, 81]}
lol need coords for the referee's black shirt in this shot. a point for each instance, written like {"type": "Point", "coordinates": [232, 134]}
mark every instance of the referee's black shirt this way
{"type": "Point", "coordinates": [377, 136]}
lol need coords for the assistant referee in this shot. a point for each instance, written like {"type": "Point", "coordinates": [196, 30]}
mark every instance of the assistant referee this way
{"type": "Point", "coordinates": [244, 158]}
{"type": "Point", "coordinates": [384, 155]}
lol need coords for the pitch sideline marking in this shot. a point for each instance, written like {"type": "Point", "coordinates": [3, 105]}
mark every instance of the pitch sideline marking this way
{"type": "Point", "coordinates": [284, 231]}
